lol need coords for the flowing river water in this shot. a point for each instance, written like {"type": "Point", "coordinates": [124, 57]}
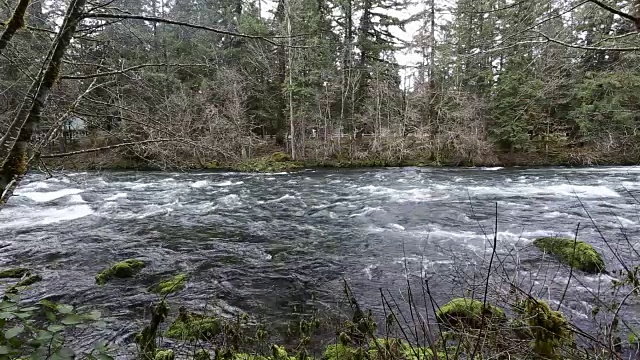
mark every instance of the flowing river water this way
{"type": "Point", "coordinates": [264, 243]}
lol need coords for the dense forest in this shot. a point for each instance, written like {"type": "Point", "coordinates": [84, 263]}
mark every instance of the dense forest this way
{"type": "Point", "coordinates": [195, 82]}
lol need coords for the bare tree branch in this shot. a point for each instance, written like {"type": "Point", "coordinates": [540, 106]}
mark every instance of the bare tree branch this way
{"type": "Point", "coordinates": [623, 14]}
{"type": "Point", "coordinates": [583, 47]}
{"type": "Point", "coordinates": [109, 147]}
{"type": "Point", "coordinates": [118, 72]}
{"type": "Point", "coordinates": [185, 24]}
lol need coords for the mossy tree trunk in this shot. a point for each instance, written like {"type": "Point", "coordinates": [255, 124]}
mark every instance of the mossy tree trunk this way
{"type": "Point", "coordinates": [15, 23]}
{"type": "Point", "coordinates": [14, 146]}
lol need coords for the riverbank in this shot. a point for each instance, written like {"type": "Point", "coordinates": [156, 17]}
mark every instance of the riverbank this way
{"type": "Point", "coordinates": [273, 159]}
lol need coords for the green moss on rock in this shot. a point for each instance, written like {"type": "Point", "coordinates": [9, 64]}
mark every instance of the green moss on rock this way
{"type": "Point", "coordinates": [171, 285]}
{"type": "Point", "coordinates": [468, 312]}
{"type": "Point", "coordinates": [549, 329]}
{"type": "Point", "coordinates": [28, 281]}
{"type": "Point", "coordinates": [584, 257]}
{"type": "Point", "coordinates": [190, 326]}
{"type": "Point", "coordinates": [124, 269]}
{"type": "Point", "coordinates": [14, 273]}
{"type": "Point", "coordinates": [165, 355]}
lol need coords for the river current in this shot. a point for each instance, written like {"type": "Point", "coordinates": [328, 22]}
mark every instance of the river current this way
{"type": "Point", "coordinates": [265, 243]}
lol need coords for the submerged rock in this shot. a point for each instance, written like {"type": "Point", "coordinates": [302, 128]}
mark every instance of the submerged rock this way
{"type": "Point", "coordinates": [124, 269]}
{"type": "Point", "coordinates": [14, 273]}
{"type": "Point", "coordinates": [191, 326]}
{"type": "Point", "coordinates": [584, 257]}
{"type": "Point", "coordinates": [468, 312]}
{"type": "Point", "coordinates": [168, 286]}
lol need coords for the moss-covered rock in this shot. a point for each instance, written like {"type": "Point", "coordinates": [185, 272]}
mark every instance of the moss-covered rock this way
{"type": "Point", "coordinates": [584, 257]}
{"type": "Point", "coordinates": [165, 355]}
{"type": "Point", "coordinates": [14, 273]}
{"type": "Point", "coordinates": [28, 281]}
{"type": "Point", "coordinates": [467, 312]}
{"type": "Point", "coordinates": [549, 329]}
{"type": "Point", "coordinates": [399, 349]}
{"type": "Point", "coordinates": [124, 269]}
{"type": "Point", "coordinates": [191, 326]}
{"type": "Point", "coordinates": [171, 285]}
{"type": "Point", "coordinates": [245, 356]}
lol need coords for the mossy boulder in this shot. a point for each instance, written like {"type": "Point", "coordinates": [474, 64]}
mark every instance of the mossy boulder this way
{"type": "Point", "coordinates": [165, 355]}
{"type": "Point", "coordinates": [464, 312]}
{"type": "Point", "coordinates": [191, 326]}
{"type": "Point", "coordinates": [28, 281]}
{"type": "Point", "coordinates": [171, 285]}
{"type": "Point", "coordinates": [576, 254]}
{"type": "Point", "coordinates": [15, 273]}
{"type": "Point", "coordinates": [124, 269]}
{"type": "Point", "coordinates": [549, 329]}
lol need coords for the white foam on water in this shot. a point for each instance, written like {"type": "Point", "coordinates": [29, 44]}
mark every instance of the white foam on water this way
{"type": "Point", "coordinates": [200, 184]}
{"type": "Point", "coordinates": [36, 217]}
{"type": "Point", "coordinates": [367, 270]}
{"type": "Point", "coordinates": [554, 214]}
{"type": "Point", "coordinates": [116, 197]}
{"type": "Point", "coordinates": [495, 168]}
{"type": "Point", "coordinates": [400, 195]}
{"type": "Point", "coordinates": [43, 197]}
{"type": "Point", "coordinates": [228, 183]}
{"type": "Point", "coordinates": [140, 186]}
{"type": "Point", "coordinates": [367, 211]}
{"type": "Point", "coordinates": [282, 198]}
{"type": "Point", "coordinates": [396, 226]}
{"type": "Point", "coordinates": [230, 200]}
{"type": "Point", "coordinates": [76, 199]}
{"type": "Point", "coordinates": [560, 190]}
{"type": "Point", "coordinates": [35, 185]}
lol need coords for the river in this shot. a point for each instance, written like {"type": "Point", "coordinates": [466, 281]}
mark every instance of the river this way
{"type": "Point", "coordinates": [265, 243]}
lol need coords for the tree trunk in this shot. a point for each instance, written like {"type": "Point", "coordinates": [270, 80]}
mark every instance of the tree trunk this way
{"type": "Point", "coordinates": [15, 23]}
{"type": "Point", "coordinates": [14, 148]}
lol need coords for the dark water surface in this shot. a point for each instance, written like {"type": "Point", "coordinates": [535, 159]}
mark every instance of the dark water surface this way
{"type": "Point", "coordinates": [262, 243]}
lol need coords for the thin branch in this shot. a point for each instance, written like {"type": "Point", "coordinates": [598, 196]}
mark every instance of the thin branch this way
{"type": "Point", "coordinates": [109, 147]}
{"type": "Point", "coordinates": [616, 11]}
{"type": "Point", "coordinates": [185, 24]}
{"type": "Point", "coordinates": [582, 47]}
{"type": "Point", "coordinates": [118, 72]}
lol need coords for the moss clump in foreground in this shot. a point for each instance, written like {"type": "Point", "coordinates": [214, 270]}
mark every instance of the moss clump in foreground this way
{"type": "Point", "coordinates": [165, 355]}
{"type": "Point", "coordinates": [169, 286]}
{"type": "Point", "coordinates": [124, 269]}
{"type": "Point", "coordinates": [14, 273]}
{"type": "Point", "coordinates": [190, 326]}
{"type": "Point", "coordinates": [584, 257]}
{"type": "Point", "coordinates": [549, 328]}
{"type": "Point", "coordinates": [467, 312]}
